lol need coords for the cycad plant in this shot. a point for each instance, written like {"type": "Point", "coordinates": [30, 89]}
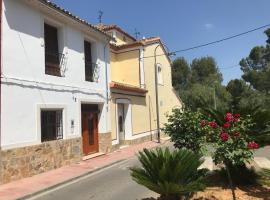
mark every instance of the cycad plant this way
{"type": "Point", "coordinates": [172, 174]}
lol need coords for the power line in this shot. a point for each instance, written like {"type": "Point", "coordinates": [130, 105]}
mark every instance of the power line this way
{"type": "Point", "coordinates": [229, 67]}
{"type": "Point", "coordinates": [211, 43]}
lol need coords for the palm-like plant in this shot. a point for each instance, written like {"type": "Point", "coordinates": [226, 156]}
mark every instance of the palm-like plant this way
{"type": "Point", "coordinates": [171, 174]}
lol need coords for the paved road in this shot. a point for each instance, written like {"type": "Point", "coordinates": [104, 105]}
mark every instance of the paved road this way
{"type": "Point", "coordinates": [113, 183]}
{"type": "Point", "coordinates": [263, 152]}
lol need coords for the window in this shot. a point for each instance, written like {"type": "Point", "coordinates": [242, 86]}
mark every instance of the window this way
{"type": "Point", "coordinates": [52, 56]}
{"type": "Point", "coordinates": [159, 71]}
{"type": "Point", "coordinates": [51, 125]}
{"type": "Point", "coordinates": [88, 62]}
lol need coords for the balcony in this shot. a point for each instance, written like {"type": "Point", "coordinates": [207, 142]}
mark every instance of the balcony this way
{"type": "Point", "coordinates": [53, 63]}
{"type": "Point", "coordinates": [91, 71]}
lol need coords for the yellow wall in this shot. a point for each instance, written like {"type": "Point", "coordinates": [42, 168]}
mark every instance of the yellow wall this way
{"type": "Point", "coordinates": [167, 98]}
{"type": "Point", "coordinates": [119, 37]}
{"type": "Point", "coordinates": [139, 114]}
{"type": "Point", "coordinates": [125, 67]}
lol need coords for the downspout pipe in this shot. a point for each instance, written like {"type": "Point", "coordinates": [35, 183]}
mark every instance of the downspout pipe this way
{"type": "Point", "coordinates": [106, 60]}
{"type": "Point", "coordinates": [1, 8]}
{"type": "Point", "coordinates": [156, 90]}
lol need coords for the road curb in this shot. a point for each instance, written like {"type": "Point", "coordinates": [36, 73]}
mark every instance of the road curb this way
{"type": "Point", "coordinates": [25, 197]}
{"type": "Point", "coordinates": [28, 196]}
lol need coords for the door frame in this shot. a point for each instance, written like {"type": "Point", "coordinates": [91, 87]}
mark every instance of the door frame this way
{"type": "Point", "coordinates": [128, 119]}
{"type": "Point", "coordinates": [97, 113]}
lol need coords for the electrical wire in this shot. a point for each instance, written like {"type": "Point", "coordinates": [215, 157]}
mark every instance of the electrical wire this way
{"type": "Point", "coordinates": [211, 43]}
{"type": "Point", "coordinates": [229, 67]}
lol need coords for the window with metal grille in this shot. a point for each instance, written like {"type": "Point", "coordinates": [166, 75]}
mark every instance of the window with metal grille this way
{"type": "Point", "coordinates": [88, 62]}
{"type": "Point", "coordinates": [52, 55]}
{"type": "Point", "coordinates": [51, 125]}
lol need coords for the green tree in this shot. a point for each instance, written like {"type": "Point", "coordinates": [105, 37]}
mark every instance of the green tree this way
{"type": "Point", "coordinates": [199, 84]}
{"type": "Point", "coordinates": [237, 88]}
{"type": "Point", "coordinates": [205, 71]}
{"type": "Point", "coordinates": [180, 73]}
{"type": "Point", "coordinates": [256, 66]}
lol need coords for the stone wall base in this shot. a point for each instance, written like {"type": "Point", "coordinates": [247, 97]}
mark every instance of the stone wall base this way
{"type": "Point", "coordinates": [138, 140]}
{"type": "Point", "coordinates": [105, 142]}
{"type": "Point", "coordinates": [31, 160]}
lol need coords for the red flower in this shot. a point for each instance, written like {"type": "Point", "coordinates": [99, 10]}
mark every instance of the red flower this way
{"type": "Point", "coordinates": [227, 125]}
{"type": "Point", "coordinates": [204, 123]}
{"type": "Point", "coordinates": [229, 117]}
{"type": "Point", "coordinates": [253, 145]}
{"type": "Point", "coordinates": [237, 115]}
{"type": "Point", "coordinates": [236, 134]}
{"type": "Point", "coordinates": [213, 124]}
{"type": "Point", "coordinates": [224, 136]}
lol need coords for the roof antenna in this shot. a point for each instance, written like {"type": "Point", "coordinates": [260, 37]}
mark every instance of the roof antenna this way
{"type": "Point", "coordinates": [100, 15]}
{"type": "Point", "coordinates": [136, 33]}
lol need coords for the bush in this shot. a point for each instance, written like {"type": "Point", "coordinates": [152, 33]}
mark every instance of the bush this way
{"type": "Point", "coordinates": [170, 174]}
{"type": "Point", "coordinates": [184, 128]}
{"type": "Point", "coordinates": [230, 137]}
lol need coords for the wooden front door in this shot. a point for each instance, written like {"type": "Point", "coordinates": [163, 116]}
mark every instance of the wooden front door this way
{"type": "Point", "coordinates": [90, 132]}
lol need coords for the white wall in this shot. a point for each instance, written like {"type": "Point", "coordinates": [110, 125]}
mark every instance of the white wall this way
{"type": "Point", "coordinates": [25, 86]}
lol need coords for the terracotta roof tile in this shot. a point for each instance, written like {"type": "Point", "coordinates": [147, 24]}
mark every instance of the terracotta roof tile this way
{"type": "Point", "coordinates": [66, 12]}
{"type": "Point", "coordinates": [106, 27]}
{"type": "Point", "coordinates": [127, 87]}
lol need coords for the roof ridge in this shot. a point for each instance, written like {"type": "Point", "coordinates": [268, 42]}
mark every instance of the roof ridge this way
{"type": "Point", "coordinates": [75, 17]}
{"type": "Point", "coordinates": [107, 27]}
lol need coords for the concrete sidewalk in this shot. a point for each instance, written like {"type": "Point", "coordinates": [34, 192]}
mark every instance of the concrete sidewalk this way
{"type": "Point", "coordinates": [48, 180]}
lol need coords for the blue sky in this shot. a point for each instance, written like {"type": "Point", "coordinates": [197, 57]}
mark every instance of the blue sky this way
{"type": "Point", "coordinates": [186, 23]}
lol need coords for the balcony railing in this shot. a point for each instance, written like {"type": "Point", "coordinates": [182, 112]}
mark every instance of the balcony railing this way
{"type": "Point", "coordinates": [91, 71]}
{"type": "Point", "coordinates": [53, 63]}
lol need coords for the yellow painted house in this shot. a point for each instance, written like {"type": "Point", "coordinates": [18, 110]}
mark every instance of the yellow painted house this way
{"type": "Point", "coordinates": [132, 85]}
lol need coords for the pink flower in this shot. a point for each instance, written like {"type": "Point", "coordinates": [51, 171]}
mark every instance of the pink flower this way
{"type": "Point", "coordinates": [253, 145]}
{"type": "Point", "coordinates": [237, 115]}
{"type": "Point", "coordinates": [224, 136]}
{"type": "Point", "coordinates": [227, 125]}
{"type": "Point", "coordinates": [213, 124]}
{"type": "Point", "coordinates": [229, 117]}
{"type": "Point", "coordinates": [204, 123]}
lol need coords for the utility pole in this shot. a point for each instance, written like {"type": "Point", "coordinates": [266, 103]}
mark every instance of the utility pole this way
{"type": "Point", "coordinates": [156, 90]}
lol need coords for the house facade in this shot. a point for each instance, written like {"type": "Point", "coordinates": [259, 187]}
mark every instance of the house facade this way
{"type": "Point", "coordinates": [133, 94]}
{"type": "Point", "coordinates": [55, 72]}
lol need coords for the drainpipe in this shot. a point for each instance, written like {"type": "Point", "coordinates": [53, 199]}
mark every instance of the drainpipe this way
{"type": "Point", "coordinates": [156, 90]}
{"type": "Point", "coordinates": [1, 7]}
{"type": "Point", "coordinates": [107, 81]}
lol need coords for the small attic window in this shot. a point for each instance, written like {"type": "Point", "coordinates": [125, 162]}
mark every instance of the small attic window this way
{"type": "Point", "coordinates": [124, 38]}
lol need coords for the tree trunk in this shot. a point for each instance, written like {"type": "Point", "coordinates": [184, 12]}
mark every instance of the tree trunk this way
{"type": "Point", "coordinates": [230, 180]}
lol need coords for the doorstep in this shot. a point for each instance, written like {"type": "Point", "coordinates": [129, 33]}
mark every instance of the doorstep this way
{"type": "Point", "coordinates": [94, 155]}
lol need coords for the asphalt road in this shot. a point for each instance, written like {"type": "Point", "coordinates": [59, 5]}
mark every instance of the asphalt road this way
{"type": "Point", "coordinates": [263, 152]}
{"type": "Point", "coordinates": [112, 183]}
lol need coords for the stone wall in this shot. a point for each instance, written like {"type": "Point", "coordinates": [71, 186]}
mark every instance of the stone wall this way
{"type": "Point", "coordinates": [31, 160]}
{"type": "Point", "coordinates": [138, 140]}
{"type": "Point", "coordinates": [105, 142]}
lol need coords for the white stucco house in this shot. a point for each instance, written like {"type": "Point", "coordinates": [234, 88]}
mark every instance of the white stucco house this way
{"type": "Point", "coordinates": [54, 89]}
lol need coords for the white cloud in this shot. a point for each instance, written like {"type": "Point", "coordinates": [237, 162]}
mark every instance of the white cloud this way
{"type": "Point", "coordinates": [209, 26]}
